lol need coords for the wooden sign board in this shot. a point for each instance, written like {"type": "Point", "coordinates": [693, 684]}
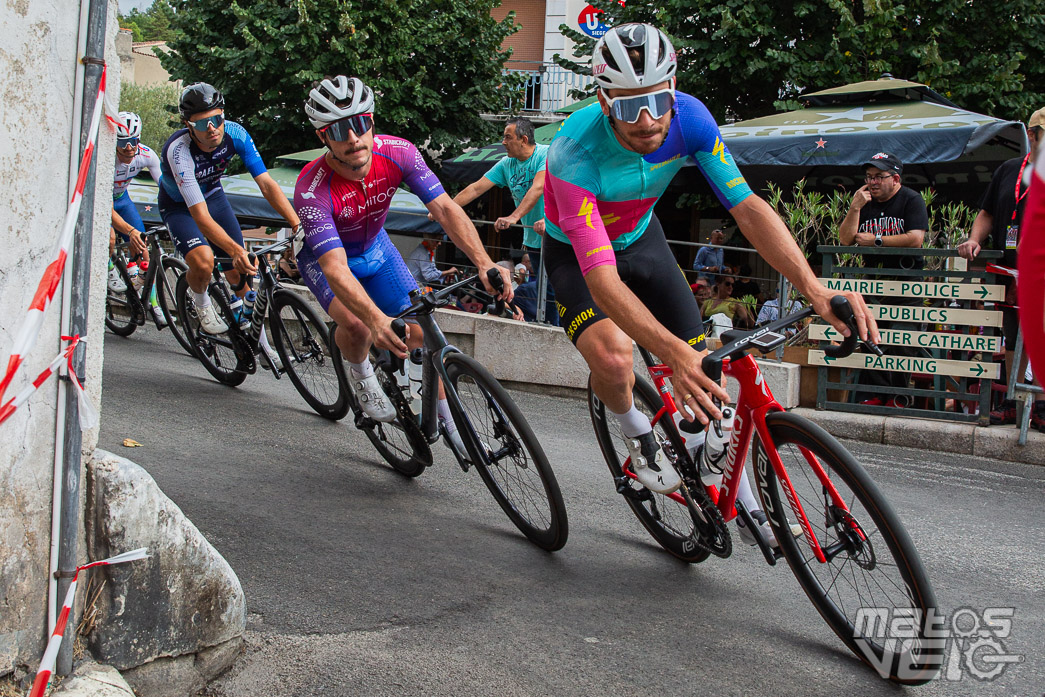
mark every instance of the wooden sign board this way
{"type": "Point", "coordinates": [909, 364]}
{"type": "Point", "coordinates": [936, 315]}
{"type": "Point", "coordinates": [927, 340]}
{"type": "Point", "coordinates": [917, 289]}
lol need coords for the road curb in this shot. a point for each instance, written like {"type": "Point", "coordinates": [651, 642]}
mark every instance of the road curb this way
{"type": "Point", "coordinates": [997, 442]}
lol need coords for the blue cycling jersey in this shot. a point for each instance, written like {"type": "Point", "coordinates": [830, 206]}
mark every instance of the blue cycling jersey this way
{"type": "Point", "coordinates": [191, 175]}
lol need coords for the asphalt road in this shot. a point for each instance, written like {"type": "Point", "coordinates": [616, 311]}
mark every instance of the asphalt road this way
{"type": "Point", "coordinates": [361, 582]}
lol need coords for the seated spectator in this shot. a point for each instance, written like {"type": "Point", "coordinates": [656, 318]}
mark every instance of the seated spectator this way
{"type": "Point", "coordinates": [421, 261]}
{"type": "Point", "coordinates": [526, 301]}
{"type": "Point", "coordinates": [287, 269]}
{"type": "Point", "coordinates": [701, 290]}
{"type": "Point", "coordinates": [746, 285]}
{"type": "Point", "coordinates": [738, 312]}
{"type": "Point", "coordinates": [771, 311]}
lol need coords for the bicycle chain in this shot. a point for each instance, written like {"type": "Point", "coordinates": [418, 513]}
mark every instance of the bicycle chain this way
{"type": "Point", "coordinates": [718, 542]}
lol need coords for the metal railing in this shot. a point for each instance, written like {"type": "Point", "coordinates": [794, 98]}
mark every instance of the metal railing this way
{"type": "Point", "coordinates": [546, 86]}
{"type": "Point", "coordinates": [936, 335]}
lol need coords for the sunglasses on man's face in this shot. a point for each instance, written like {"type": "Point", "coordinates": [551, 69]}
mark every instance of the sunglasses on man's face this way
{"type": "Point", "coordinates": [359, 124]}
{"type": "Point", "coordinates": [628, 109]}
{"type": "Point", "coordinates": [203, 124]}
{"type": "Point", "coordinates": [127, 142]}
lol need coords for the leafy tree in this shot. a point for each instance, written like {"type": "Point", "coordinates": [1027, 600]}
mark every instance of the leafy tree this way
{"type": "Point", "coordinates": [154, 24]}
{"type": "Point", "coordinates": [153, 103]}
{"type": "Point", "coordinates": [746, 59]}
{"type": "Point", "coordinates": [435, 66]}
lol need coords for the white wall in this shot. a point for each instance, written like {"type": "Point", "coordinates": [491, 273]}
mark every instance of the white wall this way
{"type": "Point", "coordinates": [38, 54]}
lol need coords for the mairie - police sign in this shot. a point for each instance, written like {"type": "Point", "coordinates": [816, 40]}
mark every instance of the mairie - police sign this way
{"type": "Point", "coordinates": [916, 288]}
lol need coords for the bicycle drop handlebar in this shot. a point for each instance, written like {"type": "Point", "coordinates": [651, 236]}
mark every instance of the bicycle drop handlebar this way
{"type": "Point", "coordinates": [428, 302]}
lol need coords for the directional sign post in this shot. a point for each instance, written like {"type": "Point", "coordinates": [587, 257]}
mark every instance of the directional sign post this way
{"type": "Point", "coordinates": [907, 364]}
{"type": "Point", "coordinates": [936, 315]}
{"type": "Point", "coordinates": [976, 343]}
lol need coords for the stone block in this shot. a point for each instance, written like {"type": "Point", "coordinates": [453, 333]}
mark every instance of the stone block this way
{"type": "Point", "coordinates": [94, 680]}
{"type": "Point", "coordinates": [166, 677]}
{"type": "Point", "coordinates": [1000, 442]}
{"type": "Point", "coordinates": [862, 427]}
{"type": "Point", "coordinates": [183, 599]}
{"type": "Point", "coordinates": [939, 436]}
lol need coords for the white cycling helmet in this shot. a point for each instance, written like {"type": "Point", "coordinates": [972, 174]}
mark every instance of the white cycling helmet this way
{"type": "Point", "coordinates": [128, 125]}
{"type": "Point", "coordinates": [322, 105]}
{"type": "Point", "coordinates": [613, 68]}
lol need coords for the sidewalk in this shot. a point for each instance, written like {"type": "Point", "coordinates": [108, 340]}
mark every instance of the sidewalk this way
{"type": "Point", "coordinates": [998, 442]}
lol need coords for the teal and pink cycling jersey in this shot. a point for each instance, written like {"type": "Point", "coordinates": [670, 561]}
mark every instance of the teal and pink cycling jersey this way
{"type": "Point", "coordinates": [599, 196]}
{"type": "Point", "coordinates": [336, 212]}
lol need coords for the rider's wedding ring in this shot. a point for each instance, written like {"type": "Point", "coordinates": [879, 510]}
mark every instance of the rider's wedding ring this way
{"type": "Point", "coordinates": [687, 398]}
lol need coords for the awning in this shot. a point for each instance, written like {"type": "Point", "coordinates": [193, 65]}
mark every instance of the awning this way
{"type": "Point", "coordinates": [406, 215]}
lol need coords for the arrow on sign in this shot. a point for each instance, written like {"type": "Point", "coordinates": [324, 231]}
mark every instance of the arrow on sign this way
{"type": "Point", "coordinates": [828, 359]}
{"type": "Point", "coordinates": [980, 370]}
{"type": "Point", "coordinates": [982, 292]}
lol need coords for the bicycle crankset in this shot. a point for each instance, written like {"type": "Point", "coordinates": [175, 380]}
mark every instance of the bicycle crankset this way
{"type": "Point", "coordinates": [710, 532]}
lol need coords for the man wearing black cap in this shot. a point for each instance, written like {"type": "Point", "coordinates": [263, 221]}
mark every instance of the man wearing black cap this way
{"type": "Point", "coordinates": [884, 213]}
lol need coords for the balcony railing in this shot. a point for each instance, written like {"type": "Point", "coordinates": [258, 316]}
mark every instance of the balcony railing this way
{"type": "Point", "coordinates": [546, 86]}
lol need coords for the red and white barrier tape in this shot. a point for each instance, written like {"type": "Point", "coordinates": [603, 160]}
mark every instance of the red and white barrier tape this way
{"type": "Point", "coordinates": [1003, 270]}
{"type": "Point", "coordinates": [43, 676]}
{"type": "Point", "coordinates": [52, 276]}
{"type": "Point", "coordinates": [88, 414]}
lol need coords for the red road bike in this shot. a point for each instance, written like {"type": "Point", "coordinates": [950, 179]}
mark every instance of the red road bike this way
{"type": "Point", "coordinates": [852, 556]}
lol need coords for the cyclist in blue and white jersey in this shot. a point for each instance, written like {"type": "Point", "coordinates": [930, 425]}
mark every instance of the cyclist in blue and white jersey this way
{"type": "Point", "coordinates": [607, 258]}
{"type": "Point", "coordinates": [132, 157]}
{"type": "Point", "coordinates": [193, 204]}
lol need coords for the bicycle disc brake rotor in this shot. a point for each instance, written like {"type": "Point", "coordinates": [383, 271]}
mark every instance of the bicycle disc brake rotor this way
{"type": "Point", "coordinates": [853, 537]}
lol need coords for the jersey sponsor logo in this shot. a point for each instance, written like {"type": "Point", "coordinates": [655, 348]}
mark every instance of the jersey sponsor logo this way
{"type": "Point", "coordinates": [603, 248]}
{"type": "Point", "coordinates": [310, 214]}
{"type": "Point", "coordinates": [579, 321]}
{"type": "Point", "coordinates": [719, 150]}
{"type": "Point", "coordinates": [585, 212]}
{"type": "Point", "coordinates": [661, 164]}
{"type": "Point", "coordinates": [609, 219]}
{"type": "Point", "coordinates": [734, 182]}
{"type": "Point", "coordinates": [307, 195]}
{"type": "Point", "coordinates": [696, 340]}
{"type": "Point", "coordinates": [318, 177]}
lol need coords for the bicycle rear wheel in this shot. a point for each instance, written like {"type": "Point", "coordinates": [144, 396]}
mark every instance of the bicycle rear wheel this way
{"type": "Point", "coordinates": [172, 269]}
{"type": "Point", "coordinates": [669, 522]}
{"type": "Point", "coordinates": [301, 339]}
{"type": "Point", "coordinates": [225, 356]}
{"type": "Point", "coordinates": [507, 454]}
{"type": "Point", "coordinates": [872, 571]}
{"type": "Point", "coordinates": [401, 442]}
{"type": "Point", "coordinates": [122, 310]}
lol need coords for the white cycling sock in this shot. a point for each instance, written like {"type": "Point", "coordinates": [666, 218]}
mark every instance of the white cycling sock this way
{"type": "Point", "coordinates": [361, 370]}
{"type": "Point", "coordinates": [632, 422]}
{"type": "Point", "coordinates": [745, 494]}
{"type": "Point", "coordinates": [443, 409]}
{"type": "Point", "coordinates": [263, 341]}
{"type": "Point", "coordinates": [201, 300]}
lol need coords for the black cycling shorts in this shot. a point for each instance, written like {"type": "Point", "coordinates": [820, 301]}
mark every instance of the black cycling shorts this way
{"type": "Point", "coordinates": [647, 267]}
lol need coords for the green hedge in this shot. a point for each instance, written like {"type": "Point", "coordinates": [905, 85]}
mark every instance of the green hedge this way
{"type": "Point", "coordinates": [156, 105]}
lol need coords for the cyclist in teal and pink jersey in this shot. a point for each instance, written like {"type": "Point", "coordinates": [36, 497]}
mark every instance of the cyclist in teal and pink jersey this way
{"type": "Point", "coordinates": [346, 258]}
{"type": "Point", "coordinates": [607, 258]}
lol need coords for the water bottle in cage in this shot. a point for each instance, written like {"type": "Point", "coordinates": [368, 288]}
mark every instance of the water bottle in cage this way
{"type": "Point", "coordinates": [236, 309]}
{"type": "Point", "coordinates": [714, 447]}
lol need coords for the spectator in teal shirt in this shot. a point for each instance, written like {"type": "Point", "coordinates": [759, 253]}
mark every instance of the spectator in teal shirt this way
{"type": "Point", "coordinates": [522, 171]}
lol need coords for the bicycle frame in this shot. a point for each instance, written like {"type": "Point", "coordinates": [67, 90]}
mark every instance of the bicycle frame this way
{"type": "Point", "coordinates": [754, 402]}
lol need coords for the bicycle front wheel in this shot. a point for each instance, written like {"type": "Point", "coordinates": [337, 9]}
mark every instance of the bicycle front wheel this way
{"type": "Point", "coordinates": [218, 353]}
{"type": "Point", "coordinates": [871, 572]}
{"type": "Point", "coordinates": [172, 269]}
{"type": "Point", "coordinates": [669, 522]}
{"type": "Point", "coordinates": [122, 310]}
{"type": "Point", "coordinates": [507, 454]}
{"type": "Point", "coordinates": [301, 339]}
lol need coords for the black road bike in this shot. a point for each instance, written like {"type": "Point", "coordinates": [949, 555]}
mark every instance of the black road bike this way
{"type": "Point", "coordinates": [298, 334]}
{"type": "Point", "coordinates": [127, 310]}
{"type": "Point", "coordinates": [498, 440]}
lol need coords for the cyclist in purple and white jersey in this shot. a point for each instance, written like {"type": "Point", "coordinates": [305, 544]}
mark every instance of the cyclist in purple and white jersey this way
{"type": "Point", "coordinates": [346, 258]}
{"type": "Point", "coordinates": [607, 258]}
{"type": "Point", "coordinates": [193, 204]}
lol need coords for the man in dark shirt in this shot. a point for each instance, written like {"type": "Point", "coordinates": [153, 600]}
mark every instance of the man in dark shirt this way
{"type": "Point", "coordinates": [885, 213]}
{"type": "Point", "coordinates": [999, 220]}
